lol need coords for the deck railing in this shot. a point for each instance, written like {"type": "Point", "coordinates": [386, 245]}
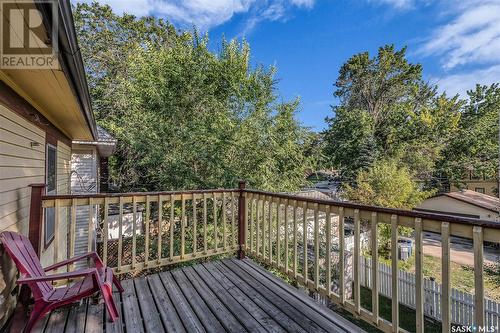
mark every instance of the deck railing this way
{"type": "Point", "coordinates": [304, 238]}
{"type": "Point", "coordinates": [137, 231]}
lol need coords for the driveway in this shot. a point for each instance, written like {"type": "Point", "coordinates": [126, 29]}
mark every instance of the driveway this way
{"type": "Point", "coordinates": [461, 250]}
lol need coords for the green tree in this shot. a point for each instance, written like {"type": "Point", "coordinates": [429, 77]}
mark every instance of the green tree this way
{"type": "Point", "coordinates": [387, 111]}
{"type": "Point", "coordinates": [387, 184]}
{"type": "Point", "coordinates": [184, 116]}
{"type": "Point", "coordinates": [474, 148]}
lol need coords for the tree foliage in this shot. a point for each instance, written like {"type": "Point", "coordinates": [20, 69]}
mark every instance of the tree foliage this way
{"type": "Point", "coordinates": [387, 184]}
{"type": "Point", "coordinates": [184, 116]}
{"type": "Point", "coordinates": [475, 145]}
{"type": "Point", "coordinates": [387, 111]}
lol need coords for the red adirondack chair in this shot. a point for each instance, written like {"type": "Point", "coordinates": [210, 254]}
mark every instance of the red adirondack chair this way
{"type": "Point", "coordinates": [90, 280]}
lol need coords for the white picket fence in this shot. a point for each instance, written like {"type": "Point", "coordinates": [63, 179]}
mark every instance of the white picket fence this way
{"type": "Point", "coordinates": [462, 303]}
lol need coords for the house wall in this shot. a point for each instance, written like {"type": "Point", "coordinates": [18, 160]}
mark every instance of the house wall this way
{"type": "Point", "coordinates": [24, 133]}
{"type": "Point", "coordinates": [445, 204]}
{"type": "Point", "coordinates": [489, 186]}
{"type": "Point", "coordinates": [21, 164]}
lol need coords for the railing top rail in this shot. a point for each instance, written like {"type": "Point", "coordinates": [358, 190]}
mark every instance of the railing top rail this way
{"type": "Point", "coordinates": [131, 194]}
{"type": "Point", "coordinates": [345, 204]}
{"type": "Point", "coordinates": [384, 210]}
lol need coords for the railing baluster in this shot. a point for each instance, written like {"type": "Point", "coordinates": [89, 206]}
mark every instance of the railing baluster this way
{"type": "Point", "coordinates": [216, 241]}
{"type": "Point", "coordinates": [205, 238]}
{"type": "Point", "coordinates": [357, 253]}
{"type": "Point", "coordinates": [270, 230]}
{"type": "Point", "coordinates": [316, 247]}
{"type": "Point", "coordinates": [257, 225]}
{"type": "Point", "coordinates": [394, 273]}
{"type": "Point", "coordinates": [105, 232]}
{"type": "Point", "coordinates": [328, 251]}
{"type": "Point", "coordinates": [305, 272]}
{"type": "Point", "coordinates": [183, 226]}
{"type": "Point", "coordinates": [341, 256]}
{"type": "Point", "coordinates": [146, 231]}
{"type": "Point", "coordinates": [252, 221]}
{"type": "Point", "coordinates": [172, 227]}
{"type": "Point", "coordinates": [233, 220]}
{"type": "Point", "coordinates": [120, 230]}
{"type": "Point", "coordinates": [445, 266]}
{"type": "Point", "coordinates": [278, 227]}
{"type": "Point", "coordinates": [419, 278]}
{"type": "Point", "coordinates": [90, 226]}
{"type": "Point", "coordinates": [263, 236]}
{"type": "Point", "coordinates": [374, 272]}
{"type": "Point", "coordinates": [56, 230]}
{"type": "Point", "coordinates": [134, 230]}
{"type": "Point", "coordinates": [478, 276]}
{"type": "Point", "coordinates": [295, 240]}
{"type": "Point", "coordinates": [195, 237]}
{"type": "Point", "coordinates": [243, 203]}
{"type": "Point", "coordinates": [160, 227]}
{"type": "Point", "coordinates": [286, 235]}
{"type": "Point", "coordinates": [224, 232]}
{"type": "Point", "coordinates": [72, 236]}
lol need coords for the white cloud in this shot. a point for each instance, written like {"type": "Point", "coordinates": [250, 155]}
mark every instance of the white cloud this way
{"type": "Point", "coordinates": [467, 45]}
{"type": "Point", "coordinates": [206, 14]}
{"type": "Point", "coordinates": [473, 36]}
{"type": "Point", "coordinates": [303, 3]}
{"type": "Point", "coordinates": [461, 82]}
{"type": "Point", "coordinates": [397, 4]}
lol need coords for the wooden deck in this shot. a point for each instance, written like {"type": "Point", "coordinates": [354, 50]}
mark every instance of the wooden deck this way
{"type": "Point", "coordinates": [229, 295]}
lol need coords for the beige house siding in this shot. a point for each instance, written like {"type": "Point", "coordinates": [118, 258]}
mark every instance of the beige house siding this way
{"type": "Point", "coordinates": [22, 162]}
{"type": "Point", "coordinates": [444, 204]}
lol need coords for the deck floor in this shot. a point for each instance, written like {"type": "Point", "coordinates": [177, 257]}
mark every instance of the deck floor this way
{"type": "Point", "coordinates": [229, 295]}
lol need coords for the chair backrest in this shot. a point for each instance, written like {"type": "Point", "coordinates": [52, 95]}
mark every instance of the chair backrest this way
{"type": "Point", "coordinates": [22, 253]}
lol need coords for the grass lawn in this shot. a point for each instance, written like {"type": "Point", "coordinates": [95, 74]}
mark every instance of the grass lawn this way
{"type": "Point", "coordinates": [406, 315]}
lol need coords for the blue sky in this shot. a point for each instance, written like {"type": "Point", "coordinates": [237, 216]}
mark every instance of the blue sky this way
{"type": "Point", "coordinates": [456, 41]}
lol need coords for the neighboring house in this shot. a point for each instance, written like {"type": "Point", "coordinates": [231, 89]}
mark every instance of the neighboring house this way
{"type": "Point", "coordinates": [465, 203]}
{"type": "Point", "coordinates": [477, 183]}
{"type": "Point", "coordinates": [89, 175]}
{"type": "Point", "coordinates": [49, 139]}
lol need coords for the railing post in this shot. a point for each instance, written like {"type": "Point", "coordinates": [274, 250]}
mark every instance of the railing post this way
{"type": "Point", "coordinates": [34, 232]}
{"type": "Point", "coordinates": [241, 220]}
{"type": "Point", "coordinates": [36, 216]}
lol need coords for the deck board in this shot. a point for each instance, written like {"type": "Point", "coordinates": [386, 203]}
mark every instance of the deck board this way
{"type": "Point", "coordinates": [198, 305]}
{"type": "Point", "coordinates": [150, 315]}
{"type": "Point", "coordinates": [164, 305]}
{"type": "Point", "coordinates": [228, 295]}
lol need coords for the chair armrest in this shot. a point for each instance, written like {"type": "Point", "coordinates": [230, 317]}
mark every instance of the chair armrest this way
{"type": "Point", "coordinates": [93, 255]}
{"type": "Point", "coordinates": [60, 276]}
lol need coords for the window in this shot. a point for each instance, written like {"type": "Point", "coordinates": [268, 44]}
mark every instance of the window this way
{"type": "Point", "coordinates": [479, 189]}
{"type": "Point", "coordinates": [51, 183]}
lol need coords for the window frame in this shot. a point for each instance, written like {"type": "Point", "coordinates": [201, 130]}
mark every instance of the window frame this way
{"type": "Point", "coordinates": [48, 240]}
